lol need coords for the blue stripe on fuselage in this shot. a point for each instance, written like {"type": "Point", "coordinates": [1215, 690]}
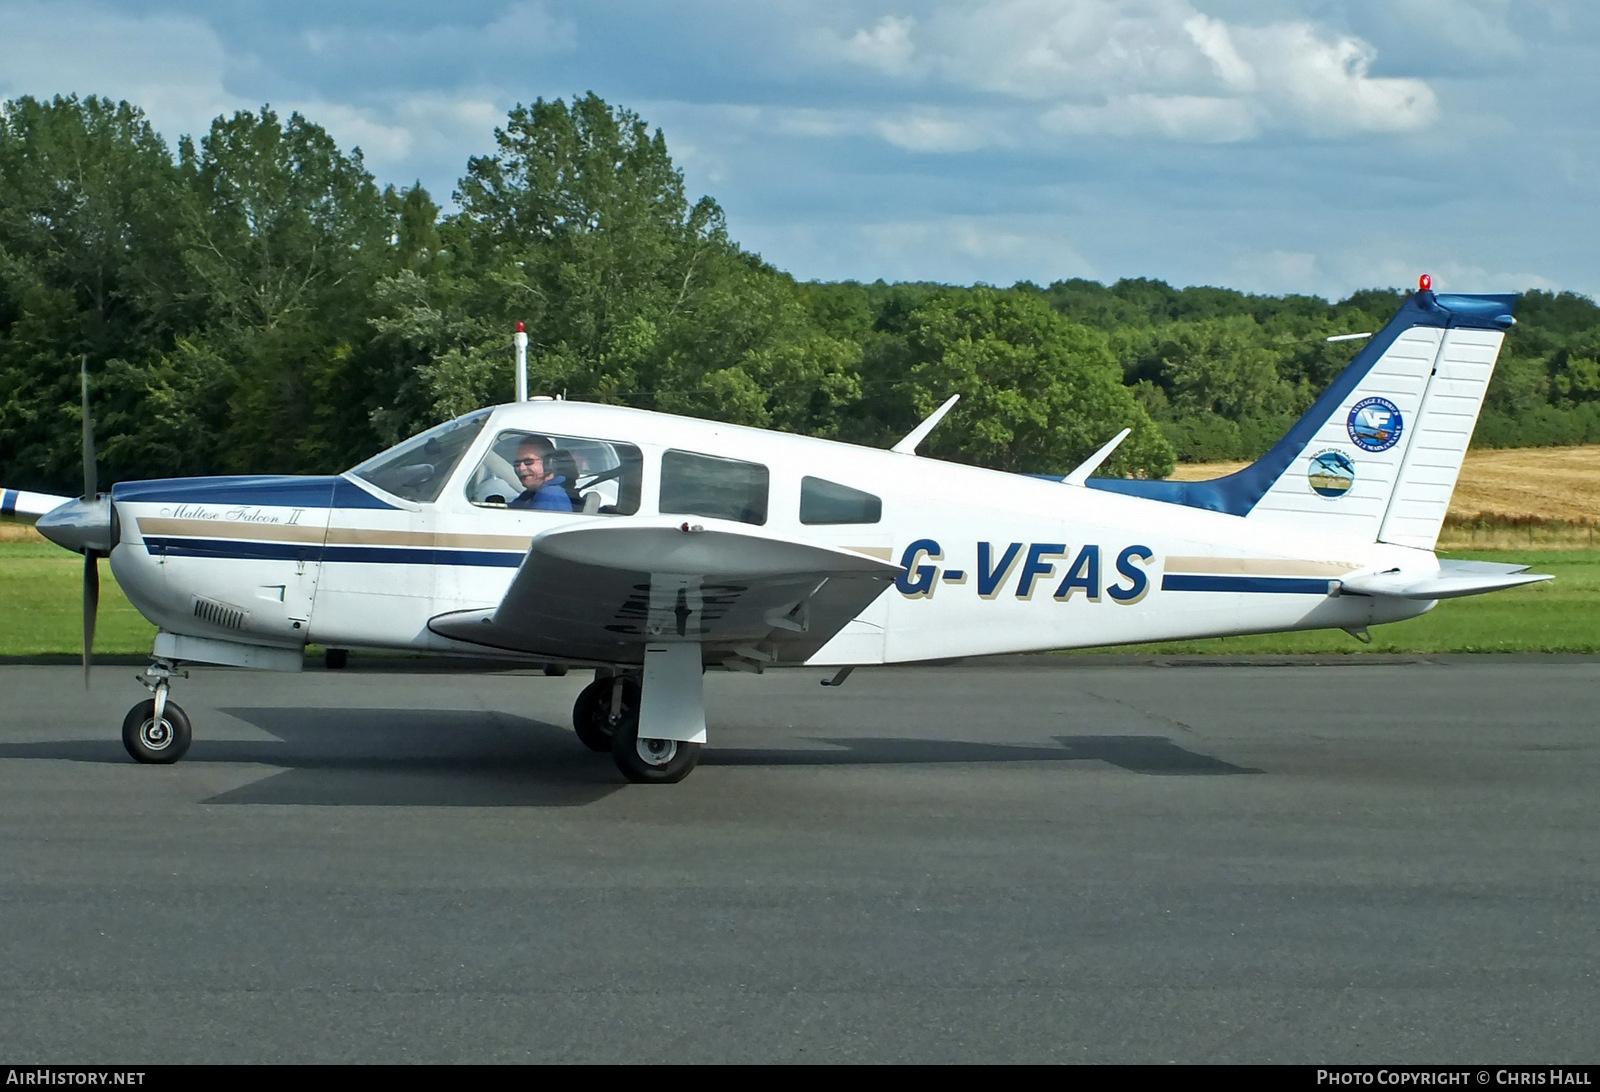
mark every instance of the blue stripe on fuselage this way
{"type": "Point", "coordinates": [268, 490]}
{"type": "Point", "coordinates": [301, 551]}
{"type": "Point", "coordinates": [8, 502]}
{"type": "Point", "coordinates": [1282, 585]}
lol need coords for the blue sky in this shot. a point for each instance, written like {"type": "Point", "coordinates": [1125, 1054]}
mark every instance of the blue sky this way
{"type": "Point", "coordinates": [1270, 145]}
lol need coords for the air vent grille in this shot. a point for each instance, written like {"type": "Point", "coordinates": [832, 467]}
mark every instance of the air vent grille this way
{"type": "Point", "coordinates": [218, 614]}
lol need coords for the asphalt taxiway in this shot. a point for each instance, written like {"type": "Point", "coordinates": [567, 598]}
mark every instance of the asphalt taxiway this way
{"type": "Point", "coordinates": [1038, 860]}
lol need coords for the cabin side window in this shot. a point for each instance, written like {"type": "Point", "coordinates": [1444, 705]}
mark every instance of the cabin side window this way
{"type": "Point", "coordinates": [707, 485]}
{"type": "Point", "coordinates": [825, 502]}
{"type": "Point", "coordinates": [542, 471]}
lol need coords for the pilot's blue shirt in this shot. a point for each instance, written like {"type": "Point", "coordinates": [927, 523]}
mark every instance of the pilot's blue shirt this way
{"type": "Point", "coordinates": [550, 497]}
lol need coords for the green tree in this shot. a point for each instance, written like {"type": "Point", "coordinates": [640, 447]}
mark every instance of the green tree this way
{"type": "Point", "coordinates": [286, 235]}
{"type": "Point", "coordinates": [1039, 393]}
{"type": "Point", "coordinates": [88, 203]}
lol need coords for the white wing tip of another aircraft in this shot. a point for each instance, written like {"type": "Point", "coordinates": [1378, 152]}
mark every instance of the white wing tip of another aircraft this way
{"type": "Point", "coordinates": [908, 446]}
{"type": "Point", "coordinates": [20, 506]}
{"type": "Point", "coordinates": [1081, 475]}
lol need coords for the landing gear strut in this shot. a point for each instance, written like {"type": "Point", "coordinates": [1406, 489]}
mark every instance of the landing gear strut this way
{"type": "Point", "coordinates": [157, 730]}
{"type": "Point", "coordinates": [602, 706]}
{"type": "Point", "coordinates": [668, 701]}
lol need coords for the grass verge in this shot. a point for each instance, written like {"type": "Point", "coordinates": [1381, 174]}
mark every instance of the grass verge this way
{"type": "Point", "coordinates": [41, 588]}
{"type": "Point", "coordinates": [1561, 615]}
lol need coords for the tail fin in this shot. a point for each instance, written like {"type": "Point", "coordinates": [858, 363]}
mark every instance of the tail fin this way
{"type": "Point", "coordinates": [1378, 454]}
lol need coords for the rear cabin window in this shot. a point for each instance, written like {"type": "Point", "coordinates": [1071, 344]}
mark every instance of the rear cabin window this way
{"type": "Point", "coordinates": [705, 485]}
{"type": "Point", "coordinates": [822, 501]}
{"type": "Point", "coordinates": [546, 472]}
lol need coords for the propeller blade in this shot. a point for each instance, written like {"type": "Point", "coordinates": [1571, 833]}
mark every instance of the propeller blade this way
{"type": "Point", "coordinates": [90, 481]}
{"type": "Point", "coordinates": [91, 607]}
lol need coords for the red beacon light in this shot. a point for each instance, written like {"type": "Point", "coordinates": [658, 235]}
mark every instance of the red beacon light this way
{"type": "Point", "coordinates": [1424, 284]}
{"type": "Point", "coordinates": [522, 327]}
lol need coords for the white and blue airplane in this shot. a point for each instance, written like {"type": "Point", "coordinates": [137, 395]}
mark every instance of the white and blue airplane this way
{"type": "Point", "coordinates": [657, 546]}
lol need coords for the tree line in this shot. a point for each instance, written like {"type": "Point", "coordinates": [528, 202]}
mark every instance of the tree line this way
{"type": "Point", "coordinates": [253, 301]}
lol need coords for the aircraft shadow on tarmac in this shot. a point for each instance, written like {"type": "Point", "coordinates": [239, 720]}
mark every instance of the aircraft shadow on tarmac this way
{"type": "Point", "coordinates": [473, 758]}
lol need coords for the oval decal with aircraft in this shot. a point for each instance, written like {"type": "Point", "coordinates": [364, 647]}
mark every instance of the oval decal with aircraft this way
{"type": "Point", "coordinates": [1375, 424]}
{"type": "Point", "coordinates": [1332, 473]}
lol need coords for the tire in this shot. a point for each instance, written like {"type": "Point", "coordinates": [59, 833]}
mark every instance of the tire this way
{"type": "Point", "coordinates": [591, 713]}
{"type": "Point", "coordinates": [335, 659]}
{"type": "Point", "coordinates": [652, 761]}
{"type": "Point", "coordinates": [149, 744]}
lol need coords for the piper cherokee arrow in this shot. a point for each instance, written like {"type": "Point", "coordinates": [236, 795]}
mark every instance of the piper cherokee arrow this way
{"type": "Point", "coordinates": [650, 548]}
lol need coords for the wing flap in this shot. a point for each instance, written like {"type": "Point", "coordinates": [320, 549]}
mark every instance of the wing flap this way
{"type": "Point", "coordinates": [602, 591]}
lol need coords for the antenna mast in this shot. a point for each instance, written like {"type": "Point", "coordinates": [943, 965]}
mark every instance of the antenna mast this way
{"type": "Point", "coordinates": [521, 340]}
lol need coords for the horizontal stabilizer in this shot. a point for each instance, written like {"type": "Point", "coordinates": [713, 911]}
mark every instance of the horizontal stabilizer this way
{"type": "Point", "coordinates": [1453, 580]}
{"type": "Point", "coordinates": [19, 506]}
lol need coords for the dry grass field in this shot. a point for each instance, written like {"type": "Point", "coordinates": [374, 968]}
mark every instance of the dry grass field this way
{"type": "Point", "coordinates": [1543, 496]}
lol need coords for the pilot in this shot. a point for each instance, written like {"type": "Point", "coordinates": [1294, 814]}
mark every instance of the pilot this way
{"type": "Point", "coordinates": [541, 489]}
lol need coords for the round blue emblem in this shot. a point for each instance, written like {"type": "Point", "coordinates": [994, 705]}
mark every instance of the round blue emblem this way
{"type": "Point", "coordinates": [1332, 473]}
{"type": "Point", "coordinates": [1375, 424]}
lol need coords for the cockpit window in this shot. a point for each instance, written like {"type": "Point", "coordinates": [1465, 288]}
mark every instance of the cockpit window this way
{"type": "Point", "coordinates": [417, 469]}
{"type": "Point", "coordinates": [706, 485]}
{"type": "Point", "coordinates": [547, 472]}
{"type": "Point", "coordinates": [823, 502]}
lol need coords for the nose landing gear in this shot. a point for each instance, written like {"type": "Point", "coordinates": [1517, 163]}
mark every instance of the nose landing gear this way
{"type": "Point", "coordinates": [157, 730]}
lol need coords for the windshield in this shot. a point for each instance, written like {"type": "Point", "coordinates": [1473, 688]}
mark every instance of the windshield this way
{"type": "Point", "coordinates": [417, 469]}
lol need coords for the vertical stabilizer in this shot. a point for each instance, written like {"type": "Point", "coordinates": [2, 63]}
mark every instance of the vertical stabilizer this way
{"type": "Point", "coordinates": [1378, 454]}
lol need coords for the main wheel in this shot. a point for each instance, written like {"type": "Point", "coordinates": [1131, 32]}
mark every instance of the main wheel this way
{"type": "Point", "coordinates": [591, 713]}
{"type": "Point", "coordinates": [652, 761]}
{"type": "Point", "coordinates": [150, 740]}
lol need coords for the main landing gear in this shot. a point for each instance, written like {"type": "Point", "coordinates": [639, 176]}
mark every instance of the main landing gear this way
{"type": "Point", "coordinates": [668, 701]}
{"type": "Point", "coordinates": [157, 730]}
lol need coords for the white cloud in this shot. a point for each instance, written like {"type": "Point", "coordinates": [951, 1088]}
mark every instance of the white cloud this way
{"type": "Point", "coordinates": [886, 45]}
{"type": "Point", "coordinates": [173, 67]}
{"type": "Point", "coordinates": [170, 66]}
{"type": "Point", "coordinates": [1199, 118]}
{"type": "Point", "coordinates": [1147, 67]}
{"type": "Point", "coordinates": [1322, 85]}
{"type": "Point", "coordinates": [930, 132]}
{"type": "Point", "coordinates": [522, 28]}
{"type": "Point", "coordinates": [1382, 264]}
{"type": "Point", "coordinates": [968, 249]}
{"type": "Point", "coordinates": [395, 137]}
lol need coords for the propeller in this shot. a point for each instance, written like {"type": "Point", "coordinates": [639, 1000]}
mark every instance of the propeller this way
{"type": "Point", "coordinates": [91, 557]}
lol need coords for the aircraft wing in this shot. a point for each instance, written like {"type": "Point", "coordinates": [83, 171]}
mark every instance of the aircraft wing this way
{"type": "Point", "coordinates": [601, 591]}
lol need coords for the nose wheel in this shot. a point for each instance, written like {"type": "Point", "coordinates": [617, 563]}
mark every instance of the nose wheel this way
{"type": "Point", "coordinates": [156, 730]}
{"type": "Point", "coordinates": [154, 738]}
